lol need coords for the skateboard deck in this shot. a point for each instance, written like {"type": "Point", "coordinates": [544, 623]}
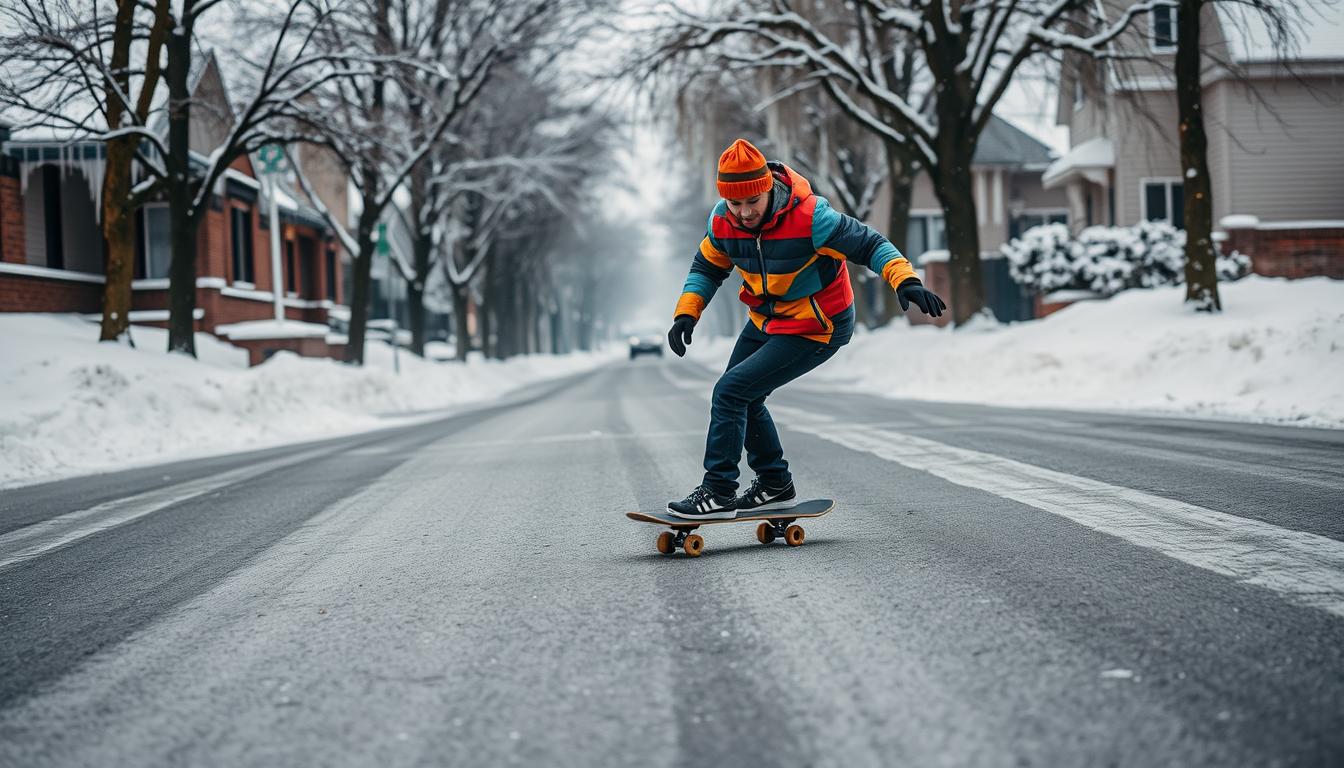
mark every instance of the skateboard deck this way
{"type": "Point", "coordinates": [771, 524]}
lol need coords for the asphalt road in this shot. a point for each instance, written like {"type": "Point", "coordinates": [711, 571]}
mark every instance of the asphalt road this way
{"type": "Point", "coordinates": [996, 587]}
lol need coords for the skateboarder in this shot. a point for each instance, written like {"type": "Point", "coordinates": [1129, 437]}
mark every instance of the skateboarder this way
{"type": "Point", "coordinates": [791, 248]}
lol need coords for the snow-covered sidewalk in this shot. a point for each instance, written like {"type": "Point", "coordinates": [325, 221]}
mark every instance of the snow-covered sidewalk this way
{"type": "Point", "coordinates": [71, 405]}
{"type": "Point", "coordinates": [1274, 355]}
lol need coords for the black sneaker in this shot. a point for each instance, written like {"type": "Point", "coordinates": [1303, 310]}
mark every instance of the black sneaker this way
{"type": "Point", "coordinates": [704, 504]}
{"type": "Point", "coordinates": [761, 497]}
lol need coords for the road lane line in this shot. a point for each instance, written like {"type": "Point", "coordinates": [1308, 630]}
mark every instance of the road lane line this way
{"type": "Point", "coordinates": [35, 540]}
{"type": "Point", "coordinates": [1307, 568]}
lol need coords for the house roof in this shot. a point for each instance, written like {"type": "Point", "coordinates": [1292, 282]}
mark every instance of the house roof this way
{"type": "Point", "coordinates": [1089, 160]}
{"type": "Point", "coordinates": [1003, 143]}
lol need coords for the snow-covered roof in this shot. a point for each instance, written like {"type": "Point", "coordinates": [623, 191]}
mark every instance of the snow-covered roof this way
{"type": "Point", "coordinates": [1320, 34]}
{"type": "Point", "coordinates": [1091, 160]}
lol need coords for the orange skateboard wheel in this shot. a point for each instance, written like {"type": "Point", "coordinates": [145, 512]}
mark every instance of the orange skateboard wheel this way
{"type": "Point", "coordinates": [665, 543]}
{"type": "Point", "coordinates": [765, 533]}
{"type": "Point", "coordinates": [793, 535]}
{"type": "Point", "coordinates": [694, 545]}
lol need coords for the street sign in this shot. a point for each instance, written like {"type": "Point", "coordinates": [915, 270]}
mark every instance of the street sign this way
{"type": "Point", "coordinates": [272, 158]}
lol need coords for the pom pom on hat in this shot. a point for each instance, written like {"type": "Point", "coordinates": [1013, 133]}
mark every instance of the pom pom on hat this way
{"type": "Point", "coordinates": [742, 172]}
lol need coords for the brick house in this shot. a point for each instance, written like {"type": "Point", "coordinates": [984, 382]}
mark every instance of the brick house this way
{"type": "Point", "coordinates": [52, 254]}
{"type": "Point", "coordinates": [1275, 144]}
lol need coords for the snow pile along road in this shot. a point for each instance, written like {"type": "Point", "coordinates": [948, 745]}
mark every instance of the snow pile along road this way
{"type": "Point", "coordinates": [72, 405]}
{"type": "Point", "coordinates": [1275, 354]}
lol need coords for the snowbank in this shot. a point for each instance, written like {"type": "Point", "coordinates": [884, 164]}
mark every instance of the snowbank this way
{"type": "Point", "coordinates": [72, 405]}
{"type": "Point", "coordinates": [1275, 355]}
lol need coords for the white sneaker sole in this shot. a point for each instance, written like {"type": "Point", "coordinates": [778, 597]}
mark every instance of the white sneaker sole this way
{"type": "Point", "coordinates": [769, 505]}
{"type": "Point", "coordinates": [722, 514]}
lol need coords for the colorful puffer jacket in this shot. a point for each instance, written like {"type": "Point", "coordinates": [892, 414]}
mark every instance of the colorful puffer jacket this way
{"type": "Point", "coordinates": [794, 274]}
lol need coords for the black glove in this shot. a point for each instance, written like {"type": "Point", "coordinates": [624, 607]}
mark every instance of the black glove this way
{"type": "Point", "coordinates": [913, 292]}
{"type": "Point", "coordinates": [680, 335]}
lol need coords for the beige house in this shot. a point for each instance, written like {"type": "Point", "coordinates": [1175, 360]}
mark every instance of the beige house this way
{"type": "Point", "coordinates": [1275, 124]}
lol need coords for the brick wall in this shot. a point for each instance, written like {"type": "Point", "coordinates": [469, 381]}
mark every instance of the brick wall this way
{"type": "Point", "coordinates": [11, 213]}
{"type": "Point", "coordinates": [1282, 250]}
{"type": "Point", "coordinates": [30, 293]}
{"type": "Point", "coordinates": [259, 349]}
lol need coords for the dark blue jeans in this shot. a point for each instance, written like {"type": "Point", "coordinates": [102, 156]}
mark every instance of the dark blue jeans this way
{"type": "Point", "coordinates": [760, 364]}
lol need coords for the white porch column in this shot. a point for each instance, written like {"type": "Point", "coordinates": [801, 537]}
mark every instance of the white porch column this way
{"type": "Point", "coordinates": [998, 195]}
{"type": "Point", "coordinates": [980, 195]}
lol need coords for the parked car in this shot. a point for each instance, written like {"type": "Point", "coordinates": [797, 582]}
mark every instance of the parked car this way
{"type": "Point", "coordinates": [646, 344]}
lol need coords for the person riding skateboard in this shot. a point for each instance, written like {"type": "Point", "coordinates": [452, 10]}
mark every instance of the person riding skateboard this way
{"type": "Point", "coordinates": [791, 248]}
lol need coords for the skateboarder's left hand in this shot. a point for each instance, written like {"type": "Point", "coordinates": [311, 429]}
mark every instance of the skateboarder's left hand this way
{"type": "Point", "coordinates": [927, 301]}
{"type": "Point", "coordinates": [680, 335]}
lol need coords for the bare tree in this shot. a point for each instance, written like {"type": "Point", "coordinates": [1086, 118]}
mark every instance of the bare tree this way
{"type": "Point", "coordinates": [277, 107]}
{"type": "Point", "coordinates": [92, 76]}
{"type": "Point", "coordinates": [365, 118]}
{"type": "Point", "coordinates": [1280, 19]}
{"type": "Point", "coordinates": [512, 201]}
{"type": "Point", "coordinates": [1129, 61]}
{"type": "Point", "coordinates": [964, 57]}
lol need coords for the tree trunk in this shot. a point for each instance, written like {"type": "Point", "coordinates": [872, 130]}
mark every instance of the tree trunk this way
{"type": "Point", "coordinates": [485, 324]}
{"type": "Point", "coordinates": [556, 346]}
{"type": "Point", "coordinates": [182, 232]}
{"type": "Point", "coordinates": [517, 323]}
{"type": "Point", "coordinates": [361, 277]}
{"type": "Point", "coordinates": [119, 234]}
{"type": "Point", "coordinates": [953, 186]}
{"type": "Point", "coordinates": [415, 293]}
{"type": "Point", "coordinates": [460, 296]}
{"type": "Point", "coordinates": [118, 230]}
{"type": "Point", "coordinates": [901, 180]}
{"type": "Point", "coordinates": [494, 297]}
{"type": "Point", "coordinates": [1201, 270]}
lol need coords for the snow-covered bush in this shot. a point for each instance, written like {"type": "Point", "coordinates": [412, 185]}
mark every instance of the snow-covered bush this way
{"type": "Point", "coordinates": [1110, 259]}
{"type": "Point", "coordinates": [1040, 259]}
{"type": "Point", "coordinates": [1233, 266]}
{"type": "Point", "coordinates": [1107, 260]}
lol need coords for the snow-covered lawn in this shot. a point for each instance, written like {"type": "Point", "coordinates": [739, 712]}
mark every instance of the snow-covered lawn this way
{"type": "Point", "coordinates": [1275, 354]}
{"type": "Point", "coordinates": [69, 405]}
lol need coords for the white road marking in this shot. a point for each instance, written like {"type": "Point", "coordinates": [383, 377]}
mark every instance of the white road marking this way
{"type": "Point", "coordinates": [38, 539]}
{"type": "Point", "coordinates": [576, 437]}
{"type": "Point", "coordinates": [1306, 567]}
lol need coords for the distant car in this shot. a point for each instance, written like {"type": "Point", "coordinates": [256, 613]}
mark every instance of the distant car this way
{"type": "Point", "coordinates": [646, 344]}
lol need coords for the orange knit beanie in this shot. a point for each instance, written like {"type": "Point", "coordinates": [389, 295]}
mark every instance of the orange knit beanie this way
{"type": "Point", "coordinates": [742, 172]}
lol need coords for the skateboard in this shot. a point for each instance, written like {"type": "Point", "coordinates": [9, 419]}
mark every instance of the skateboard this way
{"type": "Point", "coordinates": [773, 524]}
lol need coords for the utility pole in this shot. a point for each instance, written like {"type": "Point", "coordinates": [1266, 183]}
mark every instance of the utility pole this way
{"type": "Point", "coordinates": [272, 164]}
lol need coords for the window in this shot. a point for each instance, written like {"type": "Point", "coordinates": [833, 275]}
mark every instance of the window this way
{"type": "Point", "coordinates": [1028, 219]}
{"type": "Point", "coordinates": [1162, 25]}
{"type": "Point", "coordinates": [51, 209]}
{"type": "Point", "coordinates": [307, 269]}
{"type": "Point", "coordinates": [156, 250]}
{"type": "Point", "coordinates": [241, 219]}
{"type": "Point", "coordinates": [291, 284]}
{"type": "Point", "coordinates": [331, 275]}
{"type": "Point", "coordinates": [924, 233]}
{"type": "Point", "coordinates": [1164, 200]}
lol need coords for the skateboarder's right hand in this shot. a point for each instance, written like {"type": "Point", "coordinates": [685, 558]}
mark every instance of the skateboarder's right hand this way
{"type": "Point", "coordinates": [680, 335]}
